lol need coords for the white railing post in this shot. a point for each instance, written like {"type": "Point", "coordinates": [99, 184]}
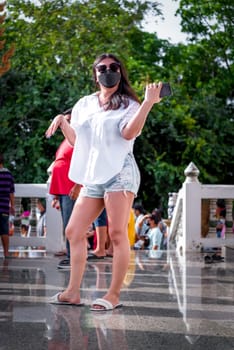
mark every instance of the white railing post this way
{"type": "Point", "coordinates": [54, 236]}
{"type": "Point", "coordinates": [191, 207]}
{"type": "Point", "coordinates": [56, 241]}
{"type": "Point", "coordinates": [186, 225]}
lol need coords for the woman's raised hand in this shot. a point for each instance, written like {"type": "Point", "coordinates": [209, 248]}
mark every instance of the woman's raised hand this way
{"type": "Point", "coordinates": [152, 92]}
{"type": "Point", "coordinates": [56, 123]}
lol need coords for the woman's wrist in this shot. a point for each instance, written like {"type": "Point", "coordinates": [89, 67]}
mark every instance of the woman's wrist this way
{"type": "Point", "coordinates": [147, 103]}
{"type": "Point", "coordinates": [62, 122]}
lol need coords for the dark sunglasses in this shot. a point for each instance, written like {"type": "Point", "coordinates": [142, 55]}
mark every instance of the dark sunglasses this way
{"type": "Point", "coordinates": [102, 68]}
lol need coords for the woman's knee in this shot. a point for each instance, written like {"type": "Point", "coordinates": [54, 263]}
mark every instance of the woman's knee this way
{"type": "Point", "coordinates": [117, 234]}
{"type": "Point", "coordinates": [77, 229]}
{"type": "Point", "coordinates": [74, 234]}
{"type": "Point", "coordinates": [68, 232]}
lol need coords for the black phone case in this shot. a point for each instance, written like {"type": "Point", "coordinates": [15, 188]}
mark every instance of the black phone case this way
{"type": "Point", "coordinates": [165, 90]}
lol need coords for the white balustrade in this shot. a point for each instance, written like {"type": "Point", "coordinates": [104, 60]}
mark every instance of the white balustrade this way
{"type": "Point", "coordinates": [185, 232]}
{"type": "Point", "coordinates": [54, 240]}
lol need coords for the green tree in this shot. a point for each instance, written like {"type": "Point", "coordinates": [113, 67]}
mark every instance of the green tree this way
{"type": "Point", "coordinates": [210, 79]}
{"type": "Point", "coordinates": [56, 44]}
{"type": "Point", "coordinates": [197, 122]}
{"type": "Point", "coordinates": [5, 57]}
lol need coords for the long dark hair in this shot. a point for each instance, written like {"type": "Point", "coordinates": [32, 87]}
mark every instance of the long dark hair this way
{"type": "Point", "coordinates": [124, 91]}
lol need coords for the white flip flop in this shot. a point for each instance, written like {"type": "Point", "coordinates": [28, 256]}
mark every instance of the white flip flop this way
{"type": "Point", "coordinates": [107, 306]}
{"type": "Point", "coordinates": [55, 300]}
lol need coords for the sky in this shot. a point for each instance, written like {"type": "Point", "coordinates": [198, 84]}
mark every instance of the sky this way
{"type": "Point", "coordinates": [169, 28]}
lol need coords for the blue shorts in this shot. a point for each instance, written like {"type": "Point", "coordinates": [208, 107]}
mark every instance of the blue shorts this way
{"type": "Point", "coordinates": [128, 179]}
{"type": "Point", "coordinates": [4, 224]}
{"type": "Point", "coordinates": [101, 219]}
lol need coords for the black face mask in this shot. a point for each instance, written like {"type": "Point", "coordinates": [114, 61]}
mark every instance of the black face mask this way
{"type": "Point", "coordinates": [109, 79]}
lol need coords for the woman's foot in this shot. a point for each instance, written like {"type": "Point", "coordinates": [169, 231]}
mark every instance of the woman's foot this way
{"type": "Point", "coordinates": [109, 253]}
{"type": "Point", "coordinates": [95, 255]}
{"type": "Point", "coordinates": [60, 253]}
{"type": "Point", "coordinates": [70, 297]}
{"type": "Point", "coordinates": [113, 300]}
{"type": "Point", "coordinates": [99, 252]}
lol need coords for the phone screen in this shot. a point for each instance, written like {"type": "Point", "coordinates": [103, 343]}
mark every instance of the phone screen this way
{"type": "Point", "coordinates": [165, 90]}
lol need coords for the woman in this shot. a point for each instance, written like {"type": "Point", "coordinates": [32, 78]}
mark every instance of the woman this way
{"type": "Point", "coordinates": [103, 128]}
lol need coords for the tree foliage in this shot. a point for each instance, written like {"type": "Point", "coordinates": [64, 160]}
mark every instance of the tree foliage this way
{"type": "Point", "coordinates": [5, 56]}
{"type": "Point", "coordinates": [56, 44]}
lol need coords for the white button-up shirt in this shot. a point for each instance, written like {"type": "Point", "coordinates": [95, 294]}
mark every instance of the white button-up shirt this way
{"type": "Point", "coordinates": [99, 150]}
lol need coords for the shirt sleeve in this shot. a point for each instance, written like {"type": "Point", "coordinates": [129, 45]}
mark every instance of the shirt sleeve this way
{"type": "Point", "coordinates": [130, 111]}
{"type": "Point", "coordinates": [75, 114]}
{"type": "Point", "coordinates": [156, 239]}
{"type": "Point", "coordinates": [12, 189]}
{"type": "Point", "coordinates": [81, 103]}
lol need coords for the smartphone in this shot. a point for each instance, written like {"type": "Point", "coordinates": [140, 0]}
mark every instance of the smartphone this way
{"type": "Point", "coordinates": [165, 90]}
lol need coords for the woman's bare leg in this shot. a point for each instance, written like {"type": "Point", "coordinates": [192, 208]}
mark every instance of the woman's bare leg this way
{"type": "Point", "coordinates": [84, 213]}
{"type": "Point", "coordinates": [118, 206]}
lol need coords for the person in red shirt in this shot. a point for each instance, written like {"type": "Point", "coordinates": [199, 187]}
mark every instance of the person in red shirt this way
{"type": "Point", "coordinates": [65, 194]}
{"type": "Point", "coordinates": [63, 189]}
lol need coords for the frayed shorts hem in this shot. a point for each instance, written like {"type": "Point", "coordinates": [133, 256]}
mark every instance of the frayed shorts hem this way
{"type": "Point", "coordinates": [127, 180]}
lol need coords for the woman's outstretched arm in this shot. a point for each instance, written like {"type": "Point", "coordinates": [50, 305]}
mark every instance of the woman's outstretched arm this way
{"type": "Point", "coordinates": [135, 125]}
{"type": "Point", "coordinates": [60, 122]}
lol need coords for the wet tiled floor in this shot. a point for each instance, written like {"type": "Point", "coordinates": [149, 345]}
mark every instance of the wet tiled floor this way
{"type": "Point", "coordinates": [170, 302]}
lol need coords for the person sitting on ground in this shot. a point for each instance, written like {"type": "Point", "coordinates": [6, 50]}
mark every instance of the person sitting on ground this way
{"type": "Point", "coordinates": [140, 226]}
{"type": "Point", "coordinates": [163, 227]}
{"type": "Point", "coordinates": [142, 243]}
{"type": "Point", "coordinates": [143, 229]}
{"type": "Point", "coordinates": [155, 235]}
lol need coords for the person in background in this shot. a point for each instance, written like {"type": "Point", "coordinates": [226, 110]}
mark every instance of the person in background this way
{"type": "Point", "coordinates": [155, 234]}
{"type": "Point", "coordinates": [141, 226]}
{"type": "Point", "coordinates": [64, 191]}
{"type": "Point", "coordinates": [41, 224]}
{"type": "Point", "coordinates": [155, 237]}
{"type": "Point", "coordinates": [24, 230]}
{"type": "Point", "coordinates": [103, 129]}
{"type": "Point", "coordinates": [131, 228]}
{"type": "Point", "coordinates": [7, 204]}
{"type": "Point", "coordinates": [163, 227]}
{"type": "Point", "coordinates": [91, 237]}
{"type": "Point", "coordinates": [100, 225]}
{"type": "Point", "coordinates": [143, 229]}
{"type": "Point", "coordinates": [220, 215]}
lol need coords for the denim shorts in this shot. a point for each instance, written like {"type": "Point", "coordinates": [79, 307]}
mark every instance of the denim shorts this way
{"type": "Point", "coordinates": [127, 180]}
{"type": "Point", "coordinates": [4, 224]}
{"type": "Point", "coordinates": [101, 219]}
